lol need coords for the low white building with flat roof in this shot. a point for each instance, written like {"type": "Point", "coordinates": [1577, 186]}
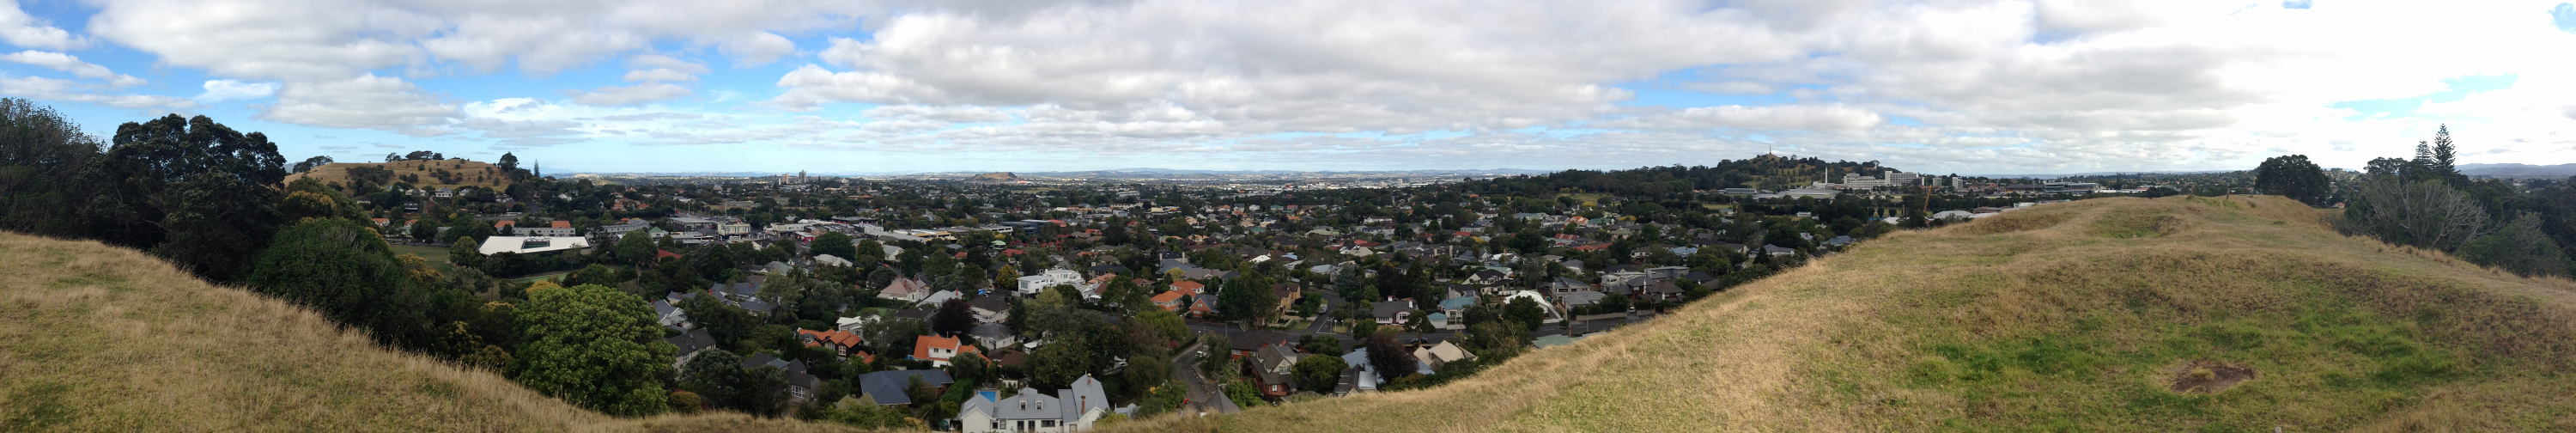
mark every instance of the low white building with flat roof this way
{"type": "Point", "coordinates": [531, 244]}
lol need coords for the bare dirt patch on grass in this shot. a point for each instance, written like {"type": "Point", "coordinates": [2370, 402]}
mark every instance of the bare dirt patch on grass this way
{"type": "Point", "coordinates": [2203, 376]}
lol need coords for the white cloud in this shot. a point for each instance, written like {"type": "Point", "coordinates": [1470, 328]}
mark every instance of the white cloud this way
{"type": "Point", "coordinates": [659, 74]}
{"type": "Point", "coordinates": [233, 90]}
{"type": "Point", "coordinates": [67, 90]}
{"type": "Point", "coordinates": [74, 65]}
{"type": "Point", "coordinates": [1788, 117]}
{"type": "Point", "coordinates": [758, 48]}
{"type": "Point", "coordinates": [364, 102]}
{"type": "Point", "coordinates": [1937, 85]}
{"type": "Point", "coordinates": [630, 95]}
{"type": "Point", "coordinates": [18, 28]}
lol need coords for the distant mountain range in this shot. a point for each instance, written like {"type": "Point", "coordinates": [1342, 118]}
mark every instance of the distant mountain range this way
{"type": "Point", "coordinates": [2518, 170]}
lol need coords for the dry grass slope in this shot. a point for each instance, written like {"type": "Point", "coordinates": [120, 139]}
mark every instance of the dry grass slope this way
{"type": "Point", "coordinates": [466, 173]}
{"type": "Point", "coordinates": [96, 338]}
{"type": "Point", "coordinates": [2083, 316]}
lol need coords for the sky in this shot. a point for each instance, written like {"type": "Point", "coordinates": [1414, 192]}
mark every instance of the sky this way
{"type": "Point", "coordinates": [2046, 86]}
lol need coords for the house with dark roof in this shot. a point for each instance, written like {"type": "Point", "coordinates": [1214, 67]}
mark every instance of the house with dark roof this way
{"type": "Point", "coordinates": [1391, 312]}
{"type": "Point", "coordinates": [800, 383]}
{"type": "Point", "coordinates": [690, 344]}
{"type": "Point", "coordinates": [1271, 369]}
{"type": "Point", "coordinates": [889, 388]}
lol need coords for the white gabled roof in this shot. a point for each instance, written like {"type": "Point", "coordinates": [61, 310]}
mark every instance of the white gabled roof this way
{"type": "Point", "coordinates": [531, 244]}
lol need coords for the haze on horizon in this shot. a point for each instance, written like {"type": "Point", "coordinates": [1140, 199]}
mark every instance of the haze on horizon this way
{"type": "Point", "coordinates": [2043, 86]}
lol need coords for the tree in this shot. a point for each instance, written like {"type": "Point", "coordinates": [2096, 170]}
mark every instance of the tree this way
{"type": "Point", "coordinates": [953, 318]}
{"type": "Point", "coordinates": [341, 269]}
{"type": "Point", "coordinates": [2444, 156]}
{"type": "Point", "coordinates": [836, 244]}
{"type": "Point", "coordinates": [1319, 373]}
{"type": "Point", "coordinates": [2520, 247]}
{"type": "Point", "coordinates": [1526, 313]}
{"type": "Point", "coordinates": [1006, 277]}
{"type": "Point", "coordinates": [2421, 214]}
{"type": "Point", "coordinates": [716, 376]}
{"type": "Point", "coordinates": [1244, 298]}
{"type": "Point", "coordinates": [1146, 371]}
{"type": "Point", "coordinates": [1060, 362]}
{"type": "Point", "coordinates": [1388, 356]}
{"type": "Point", "coordinates": [44, 159]}
{"type": "Point", "coordinates": [509, 165]}
{"type": "Point", "coordinates": [636, 248]}
{"type": "Point", "coordinates": [2295, 177]}
{"type": "Point", "coordinates": [191, 190]}
{"type": "Point", "coordinates": [311, 163]}
{"type": "Point", "coordinates": [467, 253]}
{"type": "Point", "coordinates": [595, 347]}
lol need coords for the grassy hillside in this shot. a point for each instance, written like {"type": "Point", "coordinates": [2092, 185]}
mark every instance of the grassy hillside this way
{"type": "Point", "coordinates": [95, 338]}
{"type": "Point", "coordinates": [2175, 314]}
{"type": "Point", "coordinates": [460, 173]}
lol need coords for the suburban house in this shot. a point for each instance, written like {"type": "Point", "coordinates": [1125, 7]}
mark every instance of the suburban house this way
{"type": "Point", "coordinates": [910, 290]}
{"type": "Point", "coordinates": [1433, 357]}
{"type": "Point", "coordinates": [800, 383]}
{"type": "Point", "coordinates": [938, 350]}
{"type": "Point", "coordinates": [891, 388]}
{"type": "Point", "coordinates": [1068, 410]}
{"type": "Point", "coordinates": [841, 342]}
{"type": "Point", "coordinates": [989, 309]}
{"type": "Point", "coordinates": [690, 344]}
{"type": "Point", "coordinates": [1288, 295]}
{"type": "Point", "coordinates": [557, 229]}
{"type": "Point", "coordinates": [1170, 300]}
{"type": "Point", "coordinates": [1031, 285]}
{"type": "Point", "coordinates": [1272, 368]}
{"type": "Point", "coordinates": [1391, 312]}
{"type": "Point", "coordinates": [1359, 377]}
{"type": "Point", "coordinates": [993, 334]}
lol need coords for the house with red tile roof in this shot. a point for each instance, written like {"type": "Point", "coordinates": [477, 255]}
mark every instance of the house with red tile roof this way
{"type": "Point", "coordinates": [938, 350]}
{"type": "Point", "coordinates": [842, 342]}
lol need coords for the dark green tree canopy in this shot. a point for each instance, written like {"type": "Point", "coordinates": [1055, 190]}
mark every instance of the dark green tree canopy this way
{"type": "Point", "coordinates": [2295, 177]}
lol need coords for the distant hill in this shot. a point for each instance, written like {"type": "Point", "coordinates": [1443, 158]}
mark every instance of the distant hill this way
{"type": "Point", "coordinates": [994, 177]}
{"type": "Point", "coordinates": [427, 174]}
{"type": "Point", "coordinates": [2518, 170]}
{"type": "Point", "coordinates": [98, 338]}
{"type": "Point", "coordinates": [2125, 314]}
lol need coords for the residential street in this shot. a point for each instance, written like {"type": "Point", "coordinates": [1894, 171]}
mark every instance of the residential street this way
{"type": "Point", "coordinates": [1204, 395]}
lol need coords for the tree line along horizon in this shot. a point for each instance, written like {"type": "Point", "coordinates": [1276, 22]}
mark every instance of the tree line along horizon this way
{"type": "Point", "coordinates": [2424, 201]}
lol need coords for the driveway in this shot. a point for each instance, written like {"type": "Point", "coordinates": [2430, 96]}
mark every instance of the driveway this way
{"type": "Point", "coordinates": [1205, 397]}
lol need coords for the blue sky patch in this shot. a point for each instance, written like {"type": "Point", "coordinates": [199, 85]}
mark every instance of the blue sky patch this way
{"type": "Point", "coordinates": [2565, 16]}
{"type": "Point", "coordinates": [2459, 87]}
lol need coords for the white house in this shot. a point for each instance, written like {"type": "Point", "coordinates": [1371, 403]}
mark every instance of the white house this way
{"type": "Point", "coordinates": [1031, 285]}
{"type": "Point", "coordinates": [1069, 410]}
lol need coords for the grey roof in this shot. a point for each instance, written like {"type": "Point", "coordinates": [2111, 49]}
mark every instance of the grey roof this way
{"type": "Point", "coordinates": [1271, 364]}
{"type": "Point", "coordinates": [692, 341]}
{"type": "Point", "coordinates": [795, 372]}
{"type": "Point", "coordinates": [1390, 308]}
{"type": "Point", "coordinates": [886, 388]}
{"type": "Point", "coordinates": [1066, 406]}
{"type": "Point", "coordinates": [1585, 297]}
